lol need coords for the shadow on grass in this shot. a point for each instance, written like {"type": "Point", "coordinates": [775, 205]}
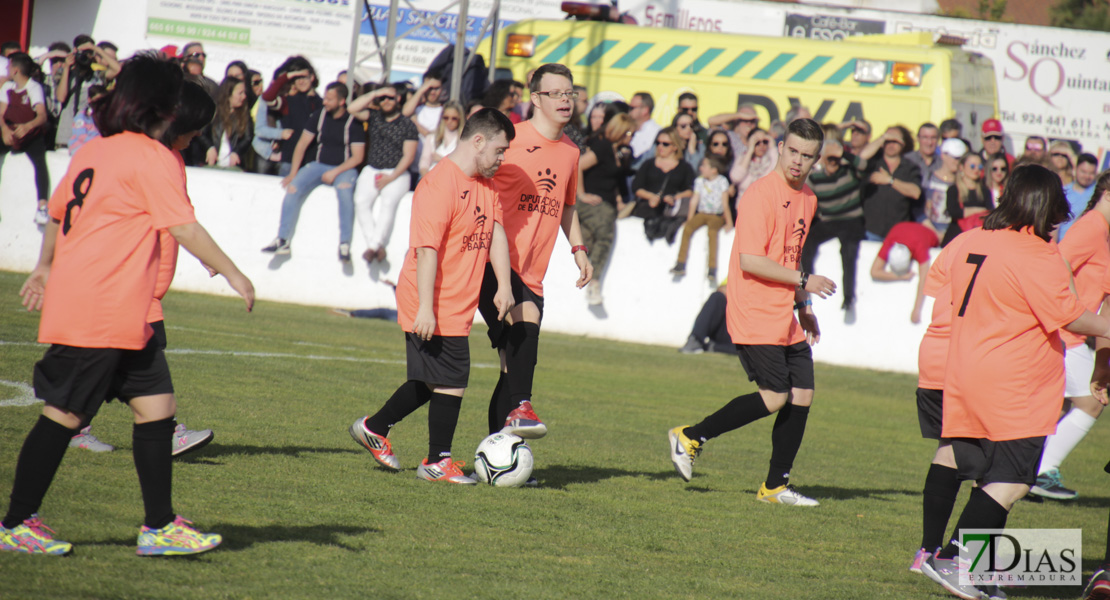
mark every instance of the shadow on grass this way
{"type": "Point", "coordinates": [241, 537]}
{"type": "Point", "coordinates": [822, 492]}
{"type": "Point", "coordinates": [216, 450]}
{"type": "Point", "coordinates": [560, 476]}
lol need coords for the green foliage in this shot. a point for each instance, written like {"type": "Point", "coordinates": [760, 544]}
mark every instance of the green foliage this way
{"type": "Point", "coordinates": [1081, 14]}
{"type": "Point", "coordinates": [305, 513]}
{"type": "Point", "coordinates": [986, 10]}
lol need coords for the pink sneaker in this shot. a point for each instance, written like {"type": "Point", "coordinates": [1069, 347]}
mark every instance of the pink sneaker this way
{"type": "Point", "coordinates": [524, 423]}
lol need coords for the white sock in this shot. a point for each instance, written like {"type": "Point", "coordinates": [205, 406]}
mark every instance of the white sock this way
{"type": "Point", "coordinates": [1069, 431]}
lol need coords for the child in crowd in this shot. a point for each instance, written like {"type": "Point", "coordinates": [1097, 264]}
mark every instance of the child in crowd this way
{"type": "Point", "coordinates": [707, 208]}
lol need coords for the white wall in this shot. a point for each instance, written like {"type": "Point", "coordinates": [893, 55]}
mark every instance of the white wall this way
{"type": "Point", "coordinates": [642, 302]}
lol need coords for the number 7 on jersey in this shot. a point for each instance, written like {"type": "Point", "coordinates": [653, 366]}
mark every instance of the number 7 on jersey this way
{"type": "Point", "coordinates": [977, 260]}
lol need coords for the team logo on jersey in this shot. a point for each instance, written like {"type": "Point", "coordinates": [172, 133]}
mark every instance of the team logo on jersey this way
{"type": "Point", "coordinates": [799, 231]}
{"type": "Point", "coordinates": [532, 149]}
{"type": "Point", "coordinates": [793, 250]}
{"type": "Point", "coordinates": [546, 183]}
{"type": "Point", "coordinates": [464, 195]}
{"type": "Point", "coordinates": [787, 205]}
{"type": "Point", "coordinates": [481, 238]}
{"type": "Point", "coordinates": [480, 218]}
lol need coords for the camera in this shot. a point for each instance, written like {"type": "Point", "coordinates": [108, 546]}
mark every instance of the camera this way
{"type": "Point", "coordinates": [85, 57]}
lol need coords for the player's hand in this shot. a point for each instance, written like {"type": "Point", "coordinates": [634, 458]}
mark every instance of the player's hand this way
{"type": "Point", "coordinates": [286, 134]}
{"type": "Point", "coordinates": [424, 325]}
{"type": "Point", "coordinates": [21, 130]}
{"type": "Point", "coordinates": [328, 177]}
{"type": "Point", "coordinates": [808, 321]}
{"type": "Point", "coordinates": [915, 316]}
{"type": "Point", "coordinates": [34, 289]}
{"type": "Point", "coordinates": [668, 200]}
{"type": "Point", "coordinates": [233, 160]}
{"type": "Point", "coordinates": [1100, 379]}
{"type": "Point", "coordinates": [243, 287]}
{"type": "Point", "coordinates": [822, 286]}
{"type": "Point", "coordinates": [210, 157]}
{"type": "Point", "coordinates": [585, 269]}
{"type": "Point", "coordinates": [729, 227]}
{"type": "Point", "coordinates": [881, 178]}
{"type": "Point", "coordinates": [591, 199]}
{"type": "Point", "coordinates": [503, 301]}
{"type": "Point", "coordinates": [7, 137]}
{"type": "Point", "coordinates": [296, 74]}
{"type": "Point", "coordinates": [383, 180]}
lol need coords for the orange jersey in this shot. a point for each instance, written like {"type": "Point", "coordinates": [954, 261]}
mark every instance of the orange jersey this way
{"type": "Point", "coordinates": [772, 220]}
{"type": "Point", "coordinates": [536, 180]}
{"type": "Point", "coordinates": [115, 196]}
{"type": "Point", "coordinates": [1087, 250]}
{"type": "Point", "coordinates": [1004, 379]}
{"type": "Point", "coordinates": [454, 215]}
{"type": "Point", "coordinates": [167, 263]}
{"type": "Point", "coordinates": [933, 352]}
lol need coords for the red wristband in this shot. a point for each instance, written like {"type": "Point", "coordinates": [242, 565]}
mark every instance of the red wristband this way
{"type": "Point", "coordinates": [575, 249]}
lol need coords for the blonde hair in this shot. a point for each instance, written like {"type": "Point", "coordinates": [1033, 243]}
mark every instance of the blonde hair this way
{"type": "Point", "coordinates": [618, 127]}
{"type": "Point", "coordinates": [679, 143]}
{"type": "Point", "coordinates": [441, 128]}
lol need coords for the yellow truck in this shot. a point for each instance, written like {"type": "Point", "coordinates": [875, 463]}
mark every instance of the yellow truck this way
{"type": "Point", "coordinates": [903, 79]}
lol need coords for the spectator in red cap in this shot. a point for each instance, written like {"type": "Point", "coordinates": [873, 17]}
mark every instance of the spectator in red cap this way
{"type": "Point", "coordinates": [169, 52]}
{"type": "Point", "coordinates": [992, 141]}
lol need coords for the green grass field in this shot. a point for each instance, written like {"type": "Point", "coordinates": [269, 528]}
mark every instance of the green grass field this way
{"type": "Point", "coordinates": [305, 513]}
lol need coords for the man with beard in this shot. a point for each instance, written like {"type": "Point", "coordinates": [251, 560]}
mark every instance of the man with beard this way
{"type": "Point", "coordinates": [456, 226]}
{"type": "Point", "coordinates": [393, 140]}
{"type": "Point", "coordinates": [537, 188]}
{"type": "Point", "coordinates": [338, 154]}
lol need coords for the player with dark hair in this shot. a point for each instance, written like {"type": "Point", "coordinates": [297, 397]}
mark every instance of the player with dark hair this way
{"type": "Point", "coordinates": [537, 187]}
{"type": "Point", "coordinates": [764, 288]}
{"type": "Point", "coordinates": [96, 276]}
{"type": "Point", "coordinates": [1010, 294]}
{"type": "Point", "coordinates": [456, 227]}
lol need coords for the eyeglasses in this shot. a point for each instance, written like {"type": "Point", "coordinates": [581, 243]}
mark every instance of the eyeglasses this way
{"type": "Point", "coordinates": [1061, 155]}
{"type": "Point", "coordinates": [1000, 169]}
{"type": "Point", "coordinates": [1034, 148]}
{"type": "Point", "coordinates": [992, 137]}
{"type": "Point", "coordinates": [975, 167]}
{"type": "Point", "coordinates": [688, 109]}
{"type": "Point", "coordinates": [663, 143]}
{"type": "Point", "coordinates": [393, 98]}
{"type": "Point", "coordinates": [435, 87]}
{"type": "Point", "coordinates": [719, 144]}
{"type": "Point", "coordinates": [683, 125]}
{"type": "Point", "coordinates": [833, 159]}
{"type": "Point", "coordinates": [748, 121]}
{"type": "Point", "coordinates": [859, 130]}
{"type": "Point", "coordinates": [196, 55]}
{"type": "Point", "coordinates": [556, 95]}
{"type": "Point", "coordinates": [256, 82]}
{"type": "Point", "coordinates": [763, 142]}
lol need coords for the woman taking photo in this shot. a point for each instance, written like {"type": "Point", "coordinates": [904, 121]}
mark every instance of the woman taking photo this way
{"type": "Point", "coordinates": [227, 140]}
{"type": "Point", "coordinates": [969, 200]}
{"type": "Point", "coordinates": [602, 171]}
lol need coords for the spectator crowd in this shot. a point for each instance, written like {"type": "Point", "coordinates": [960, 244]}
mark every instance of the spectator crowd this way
{"type": "Point", "coordinates": [372, 142]}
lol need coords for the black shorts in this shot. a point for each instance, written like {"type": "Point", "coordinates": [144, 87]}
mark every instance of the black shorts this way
{"type": "Point", "coordinates": [930, 410]}
{"type": "Point", "coordinates": [498, 332]}
{"type": "Point", "coordinates": [80, 380]}
{"type": "Point", "coordinates": [778, 368]}
{"type": "Point", "coordinates": [1011, 461]}
{"type": "Point", "coordinates": [442, 360]}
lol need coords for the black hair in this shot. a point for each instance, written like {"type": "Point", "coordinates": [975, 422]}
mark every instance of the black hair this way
{"type": "Point", "coordinates": [730, 154]}
{"type": "Point", "coordinates": [82, 39]}
{"type": "Point", "coordinates": [610, 111]}
{"type": "Point", "coordinates": [341, 88]}
{"type": "Point", "coordinates": [64, 47]}
{"type": "Point", "coordinates": [807, 129]}
{"type": "Point", "coordinates": [1087, 157]}
{"type": "Point", "coordinates": [105, 45]}
{"type": "Point", "coordinates": [497, 92]}
{"type": "Point", "coordinates": [646, 100]}
{"type": "Point", "coordinates": [927, 125]}
{"type": "Point", "coordinates": [146, 95]}
{"type": "Point", "coordinates": [194, 112]}
{"type": "Point", "coordinates": [550, 69]}
{"type": "Point", "coordinates": [907, 138]}
{"type": "Point", "coordinates": [11, 45]}
{"type": "Point", "coordinates": [242, 67]}
{"type": "Point", "coordinates": [294, 63]}
{"type": "Point", "coordinates": [1033, 197]}
{"type": "Point", "coordinates": [488, 122]}
{"type": "Point", "coordinates": [950, 125]}
{"type": "Point", "coordinates": [717, 162]}
{"type": "Point", "coordinates": [23, 62]}
{"type": "Point", "coordinates": [687, 96]}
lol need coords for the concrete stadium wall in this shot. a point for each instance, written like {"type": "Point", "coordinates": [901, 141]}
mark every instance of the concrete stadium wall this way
{"type": "Point", "coordinates": [642, 302]}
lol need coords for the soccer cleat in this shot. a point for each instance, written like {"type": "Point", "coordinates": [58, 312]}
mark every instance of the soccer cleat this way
{"type": "Point", "coordinates": [693, 346]}
{"type": "Point", "coordinates": [683, 452]}
{"type": "Point", "coordinates": [946, 572]}
{"type": "Point", "coordinates": [32, 537]}
{"type": "Point", "coordinates": [919, 559]}
{"type": "Point", "coordinates": [278, 246]}
{"type": "Point", "coordinates": [1098, 588]}
{"type": "Point", "coordinates": [187, 440]}
{"type": "Point", "coordinates": [523, 422]}
{"type": "Point", "coordinates": [784, 494]}
{"type": "Point", "coordinates": [85, 439]}
{"type": "Point", "coordinates": [41, 216]}
{"type": "Point", "coordinates": [176, 539]}
{"type": "Point", "coordinates": [1050, 486]}
{"type": "Point", "coordinates": [379, 446]}
{"type": "Point", "coordinates": [345, 252]}
{"type": "Point", "coordinates": [445, 470]}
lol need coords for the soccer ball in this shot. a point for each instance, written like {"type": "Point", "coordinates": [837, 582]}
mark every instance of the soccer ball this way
{"type": "Point", "coordinates": [503, 460]}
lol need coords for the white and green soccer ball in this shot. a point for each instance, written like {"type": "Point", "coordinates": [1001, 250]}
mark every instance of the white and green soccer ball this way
{"type": "Point", "coordinates": [503, 460]}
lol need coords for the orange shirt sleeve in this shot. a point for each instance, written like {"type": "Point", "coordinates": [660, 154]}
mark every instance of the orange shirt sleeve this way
{"type": "Point", "coordinates": [1048, 293]}
{"type": "Point", "coordinates": [163, 188]}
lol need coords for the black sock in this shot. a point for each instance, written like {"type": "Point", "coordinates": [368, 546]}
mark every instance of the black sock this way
{"type": "Point", "coordinates": [1107, 560]}
{"type": "Point", "coordinates": [38, 461]}
{"type": "Point", "coordinates": [498, 403]}
{"type": "Point", "coordinates": [937, 499]}
{"type": "Point", "coordinates": [740, 411]}
{"type": "Point", "coordinates": [981, 512]}
{"type": "Point", "coordinates": [443, 416]}
{"type": "Point", "coordinates": [786, 438]}
{"type": "Point", "coordinates": [520, 358]}
{"type": "Point", "coordinates": [410, 396]}
{"type": "Point", "coordinates": [152, 448]}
